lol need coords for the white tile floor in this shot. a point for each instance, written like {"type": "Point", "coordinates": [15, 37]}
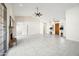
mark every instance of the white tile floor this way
{"type": "Point", "coordinates": [38, 45]}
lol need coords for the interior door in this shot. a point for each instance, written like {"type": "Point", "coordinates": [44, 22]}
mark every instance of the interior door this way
{"type": "Point", "coordinates": [57, 29]}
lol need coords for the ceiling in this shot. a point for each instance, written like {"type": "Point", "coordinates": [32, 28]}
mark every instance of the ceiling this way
{"type": "Point", "coordinates": [49, 10]}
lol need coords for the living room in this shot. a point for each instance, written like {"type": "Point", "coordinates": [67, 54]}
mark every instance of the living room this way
{"type": "Point", "coordinates": [42, 29]}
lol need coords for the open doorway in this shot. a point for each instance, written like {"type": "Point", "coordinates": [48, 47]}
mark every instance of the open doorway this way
{"type": "Point", "coordinates": [57, 28]}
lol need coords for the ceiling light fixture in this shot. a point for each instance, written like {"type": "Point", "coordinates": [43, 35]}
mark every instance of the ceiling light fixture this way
{"type": "Point", "coordinates": [37, 13]}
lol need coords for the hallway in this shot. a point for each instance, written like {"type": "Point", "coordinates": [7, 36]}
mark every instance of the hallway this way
{"type": "Point", "coordinates": [39, 45]}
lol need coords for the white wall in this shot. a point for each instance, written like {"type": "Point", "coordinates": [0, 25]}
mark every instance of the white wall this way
{"type": "Point", "coordinates": [33, 28]}
{"type": "Point", "coordinates": [27, 28]}
{"type": "Point", "coordinates": [72, 24]}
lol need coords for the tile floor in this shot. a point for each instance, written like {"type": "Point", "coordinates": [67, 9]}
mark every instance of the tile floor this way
{"type": "Point", "coordinates": [39, 45]}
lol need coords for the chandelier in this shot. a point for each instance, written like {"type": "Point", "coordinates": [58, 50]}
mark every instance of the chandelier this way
{"type": "Point", "coordinates": [37, 13]}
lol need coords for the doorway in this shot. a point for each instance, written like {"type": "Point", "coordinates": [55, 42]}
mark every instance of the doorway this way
{"type": "Point", "coordinates": [57, 29]}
